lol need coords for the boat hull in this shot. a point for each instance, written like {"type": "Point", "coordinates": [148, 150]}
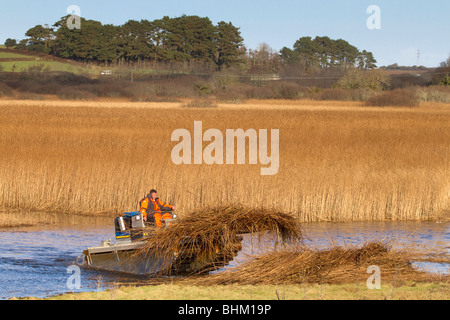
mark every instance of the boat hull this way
{"type": "Point", "coordinates": [127, 258]}
{"type": "Point", "coordinates": [123, 258]}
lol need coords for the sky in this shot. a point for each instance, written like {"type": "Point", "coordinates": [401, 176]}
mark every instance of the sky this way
{"type": "Point", "coordinates": [406, 26]}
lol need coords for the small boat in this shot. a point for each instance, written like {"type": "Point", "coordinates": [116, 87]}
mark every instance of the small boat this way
{"type": "Point", "coordinates": [131, 234]}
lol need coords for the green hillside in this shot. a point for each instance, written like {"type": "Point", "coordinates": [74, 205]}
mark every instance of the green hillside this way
{"type": "Point", "coordinates": [29, 62]}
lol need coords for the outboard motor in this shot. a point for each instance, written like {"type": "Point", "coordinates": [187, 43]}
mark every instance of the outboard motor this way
{"type": "Point", "coordinates": [123, 229]}
{"type": "Point", "coordinates": [129, 227]}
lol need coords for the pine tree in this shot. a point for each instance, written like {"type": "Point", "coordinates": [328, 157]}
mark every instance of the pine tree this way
{"type": "Point", "coordinates": [228, 42]}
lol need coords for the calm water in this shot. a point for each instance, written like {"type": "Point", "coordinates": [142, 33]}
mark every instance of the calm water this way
{"type": "Point", "coordinates": [34, 262]}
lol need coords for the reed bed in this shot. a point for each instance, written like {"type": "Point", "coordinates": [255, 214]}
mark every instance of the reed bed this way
{"type": "Point", "coordinates": [213, 234]}
{"type": "Point", "coordinates": [303, 265]}
{"type": "Point", "coordinates": [338, 162]}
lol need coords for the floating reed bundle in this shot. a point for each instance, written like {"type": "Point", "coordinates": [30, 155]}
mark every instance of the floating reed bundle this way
{"type": "Point", "coordinates": [305, 265]}
{"type": "Point", "coordinates": [212, 234]}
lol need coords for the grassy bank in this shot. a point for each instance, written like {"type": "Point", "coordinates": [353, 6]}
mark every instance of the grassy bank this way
{"type": "Point", "coordinates": [24, 61]}
{"type": "Point", "coordinates": [351, 291]}
{"type": "Point", "coordinates": [339, 161]}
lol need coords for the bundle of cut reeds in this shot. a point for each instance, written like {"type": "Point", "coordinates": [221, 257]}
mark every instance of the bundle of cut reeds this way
{"type": "Point", "coordinates": [306, 265]}
{"type": "Point", "coordinates": [213, 233]}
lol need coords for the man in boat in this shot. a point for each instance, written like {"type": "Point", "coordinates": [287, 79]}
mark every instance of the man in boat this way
{"type": "Point", "coordinates": [152, 208]}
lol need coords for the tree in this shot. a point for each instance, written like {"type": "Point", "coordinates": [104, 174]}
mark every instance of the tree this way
{"type": "Point", "coordinates": [307, 51]}
{"type": "Point", "coordinates": [107, 44]}
{"type": "Point", "coordinates": [445, 64]}
{"type": "Point", "coordinates": [190, 38]}
{"type": "Point", "coordinates": [445, 81]}
{"type": "Point", "coordinates": [264, 59]}
{"type": "Point", "coordinates": [359, 79]}
{"type": "Point", "coordinates": [22, 45]}
{"type": "Point", "coordinates": [366, 60]}
{"type": "Point", "coordinates": [289, 56]}
{"type": "Point", "coordinates": [134, 40]}
{"type": "Point", "coordinates": [85, 44]}
{"type": "Point", "coordinates": [182, 39]}
{"type": "Point", "coordinates": [441, 74]}
{"type": "Point", "coordinates": [323, 52]}
{"type": "Point", "coordinates": [346, 54]}
{"type": "Point", "coordinates": [228, 43]}
{"type": "Point", "coordinates": [9, 43]}
{"type": "Point", "coordinates": [39, 38]}
{"type": "Point", "coordinates": [90, 41]}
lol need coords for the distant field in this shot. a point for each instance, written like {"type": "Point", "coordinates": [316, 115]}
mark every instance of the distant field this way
{"type": "Point", "coordinates": [338, 161]}
{"type": "Point", "coordinates": [19, 62]}
{"type": "Point", "coordinates": [10, 55]}
{"type": "Point", "coordinates": [24, 66]}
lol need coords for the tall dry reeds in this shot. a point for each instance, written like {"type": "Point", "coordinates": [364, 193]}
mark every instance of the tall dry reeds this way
{"type": "Point", "coordinates": [338, 162]}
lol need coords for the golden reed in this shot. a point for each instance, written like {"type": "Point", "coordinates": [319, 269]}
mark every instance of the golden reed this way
{"type": "Point", "coordinates": [338, 162]}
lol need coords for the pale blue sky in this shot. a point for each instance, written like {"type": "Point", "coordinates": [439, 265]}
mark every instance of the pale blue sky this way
{"type": "Point", "coordinates": [406, 25]}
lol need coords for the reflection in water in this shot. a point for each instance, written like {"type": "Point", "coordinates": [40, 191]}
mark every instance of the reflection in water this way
{"type": "Point", "coordinates": [34, 262]}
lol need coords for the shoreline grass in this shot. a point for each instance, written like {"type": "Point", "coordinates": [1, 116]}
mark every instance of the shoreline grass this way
{"type": "Point", "coordinates": [410, 290]}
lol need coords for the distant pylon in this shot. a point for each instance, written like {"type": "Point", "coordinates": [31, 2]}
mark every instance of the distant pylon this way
{"type": "Point", "coordinates": [418, 58]}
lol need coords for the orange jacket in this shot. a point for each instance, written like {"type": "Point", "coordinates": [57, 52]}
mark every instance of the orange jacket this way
{"type": "Point", "coordinates": [150, 206]}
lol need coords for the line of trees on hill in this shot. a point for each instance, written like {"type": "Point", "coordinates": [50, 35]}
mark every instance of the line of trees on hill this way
{"type": "Point", "coordinates": [185, 39]}
{"type": "Point", "coordinates": [326, 53]}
